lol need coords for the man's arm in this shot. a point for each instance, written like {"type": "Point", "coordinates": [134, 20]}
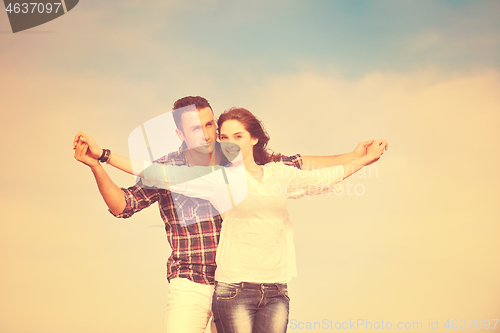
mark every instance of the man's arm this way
{"type": "Point", "coordinates": [314, 162]}
{"type": "Point", "coordinates": [112, 194]}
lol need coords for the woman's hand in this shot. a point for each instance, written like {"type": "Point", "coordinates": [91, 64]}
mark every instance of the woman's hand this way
{"type": "Point", "coordinates": [361, 148]}
{"type": "Point", "coordinates": [376, 149]}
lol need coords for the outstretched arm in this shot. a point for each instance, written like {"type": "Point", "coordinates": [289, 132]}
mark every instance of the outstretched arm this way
{"type": "Point", "coordinates": [312, 182]}
{"type": "Point", "coordinates": [154, 175]}
{"type": "Point", "coordinates": [112, 194]}
{"type": "Point", "coordinates": [323, 180]}
{"type": "Point", "coordinates": [315, 162]}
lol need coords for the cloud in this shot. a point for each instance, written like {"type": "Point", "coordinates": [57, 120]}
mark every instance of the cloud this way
{"type": "Point", "coordinates": [430, 210]}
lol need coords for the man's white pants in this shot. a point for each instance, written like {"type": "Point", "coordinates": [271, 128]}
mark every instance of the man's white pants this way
{"type": "Point", "coordinates": [189, 307]}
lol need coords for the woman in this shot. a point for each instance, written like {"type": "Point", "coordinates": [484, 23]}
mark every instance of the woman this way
{"type": "Point", "coordinates": [255, 257]}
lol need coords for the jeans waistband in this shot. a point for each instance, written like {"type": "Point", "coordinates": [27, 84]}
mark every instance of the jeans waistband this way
{"type": "Point", "coordinates": [261, 286]}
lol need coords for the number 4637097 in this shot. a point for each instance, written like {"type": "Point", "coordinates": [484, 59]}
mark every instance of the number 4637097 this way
{"type": "Point", "coordinates": [463, 323]}
{"type": "Point", "coordinates": [40, 8]}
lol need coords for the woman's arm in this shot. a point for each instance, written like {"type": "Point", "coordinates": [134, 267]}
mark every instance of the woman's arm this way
{"type": "Point", "coordinates": [322, 180]}
{"type": "Point", "coordinates": [315, 162]}
{"type": "Point", "coordinates": [133, 167]}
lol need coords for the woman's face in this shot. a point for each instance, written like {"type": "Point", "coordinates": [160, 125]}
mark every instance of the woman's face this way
{"type": "Point", "coordinates": [235, 138]}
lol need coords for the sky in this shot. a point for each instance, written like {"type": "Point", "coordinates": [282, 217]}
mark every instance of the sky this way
{"type": "Point", "coordinates": [414, 238]}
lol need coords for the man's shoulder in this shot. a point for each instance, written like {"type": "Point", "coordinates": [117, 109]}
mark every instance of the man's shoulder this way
{"type": "Point", "coordinates": [293, 160]}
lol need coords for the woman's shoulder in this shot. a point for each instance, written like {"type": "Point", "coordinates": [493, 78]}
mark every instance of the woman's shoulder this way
{"type": "Point", "coordinates": [274, 165]}
{"type": "Point", "coordinates": [277, 167]}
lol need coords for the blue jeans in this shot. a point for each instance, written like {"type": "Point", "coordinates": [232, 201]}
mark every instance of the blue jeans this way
{"type": "Point", "coordinates": [250, 308]}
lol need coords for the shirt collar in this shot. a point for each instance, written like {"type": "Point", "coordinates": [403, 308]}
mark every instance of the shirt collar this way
{"type": "Point", "coordinates": [183, 147]}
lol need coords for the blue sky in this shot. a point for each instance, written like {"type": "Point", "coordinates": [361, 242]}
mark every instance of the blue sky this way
{"type": "Point", "coordinates": [352, 38]}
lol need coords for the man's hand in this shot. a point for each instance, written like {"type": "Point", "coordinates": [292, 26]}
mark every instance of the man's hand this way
{"type": "Point", "coordinates": [93, 151]}
{"type": "Point", "coordinates": [88, 152]}
{"type": "Point", "coordinates": [82, 154]}
{"type": "Point", "coordinates": [376, 149]}
{"type": "Point", "coordinates": [361, 148]}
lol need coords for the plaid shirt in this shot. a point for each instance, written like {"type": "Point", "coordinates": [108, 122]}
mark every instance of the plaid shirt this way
{"type": "Point", "coordinates": [194, 235]}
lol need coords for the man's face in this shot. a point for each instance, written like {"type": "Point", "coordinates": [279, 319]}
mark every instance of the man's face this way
{"type": "Point", "coordinates": [198, 130]}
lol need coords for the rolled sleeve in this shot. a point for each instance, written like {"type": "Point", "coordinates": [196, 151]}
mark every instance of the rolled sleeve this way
{"type": "Point", "coordinates": [137, 198]}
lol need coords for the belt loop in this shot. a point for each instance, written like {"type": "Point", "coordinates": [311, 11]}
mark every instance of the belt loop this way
{"type": "Point", "coordinates": [262, 288]}
{"type": "Point", "coordinates": [278, 286]}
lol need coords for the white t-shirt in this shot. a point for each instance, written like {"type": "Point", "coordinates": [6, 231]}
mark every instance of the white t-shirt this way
{"type": "Point", "coordinates": [256, 241]}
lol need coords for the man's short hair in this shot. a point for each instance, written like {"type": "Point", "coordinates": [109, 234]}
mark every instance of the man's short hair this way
{"type": "Point", "coordinates": [180, 105]}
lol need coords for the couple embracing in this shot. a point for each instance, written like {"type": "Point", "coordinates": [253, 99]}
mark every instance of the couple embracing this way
{"type": "Point", "coordinates": [230, 262]}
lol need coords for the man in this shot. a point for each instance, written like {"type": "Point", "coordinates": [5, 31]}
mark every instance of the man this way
{"type": "Point", "coordinates": [192, 225]}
